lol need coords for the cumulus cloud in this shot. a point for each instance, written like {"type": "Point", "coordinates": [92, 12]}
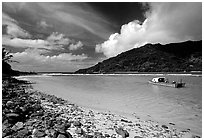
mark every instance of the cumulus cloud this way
{"type": "Point", "coordinates": [165, 23]}
{"type": "Point", "coordinates": [35, 59]}
{"type": "Point", "coordinates": [55, 41]}
{"type": "Point", "coordinates": [43, 24]}
{"type": "Point", "coordinates": [12, 27]}
{"type": "Point", "coordinates": [76, 46]}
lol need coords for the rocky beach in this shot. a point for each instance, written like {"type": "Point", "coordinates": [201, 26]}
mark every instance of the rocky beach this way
{"type": "Point", "coordinates": [27, 113]}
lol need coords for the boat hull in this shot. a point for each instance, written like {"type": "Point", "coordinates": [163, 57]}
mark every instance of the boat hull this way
{"type": "Point", "coordinates": [174, 85]}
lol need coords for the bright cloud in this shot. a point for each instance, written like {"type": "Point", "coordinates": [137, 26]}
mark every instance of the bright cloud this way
{"type": "Point", "coordinates": [55, 41]}
{"type": "Point", "coordinates": [43, 24]}
{"type": "Point", "coordinates": [35, 59]}
{"type": "Point", "coordinates": [76, 46]}
{"type": "Point", "coordinates": [165, 23]}
{"type": "Point", "coordinates": [12, 27]}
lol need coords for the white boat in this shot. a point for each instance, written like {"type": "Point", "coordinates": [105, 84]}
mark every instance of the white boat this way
{"type": "Point", "coordinates": [162, 81]}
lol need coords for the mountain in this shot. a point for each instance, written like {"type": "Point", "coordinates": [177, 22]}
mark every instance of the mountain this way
{"type": "Point", "coordinates": [173, 57]}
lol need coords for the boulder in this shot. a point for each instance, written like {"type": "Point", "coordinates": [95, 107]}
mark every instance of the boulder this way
{"type": "Point", "coordinates": [122, 132]}
{"type": "Point", "coordinates": [77, 123]}
{"type": "Point", "coordinates": [10, 104]}
{"type": "Point", "coordinates": [23, 133]}
{"type": "Point", "coordinates": [13, 117]}
{"type": "Point", "coordinates": [165, 127]}
{"type": "Point", "coordinates": [79, 131]}
{"type": "Point", "coordinates": [38, 133]}
{"type": "Point", "coordinates": [17, 126]}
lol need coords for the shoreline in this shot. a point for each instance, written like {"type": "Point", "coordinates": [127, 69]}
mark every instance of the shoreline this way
{"type": "Point", "coordinates": [71, 120]}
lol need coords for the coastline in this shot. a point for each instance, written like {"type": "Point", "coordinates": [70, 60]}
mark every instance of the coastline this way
{"type": "Point", "coordinates": [70, 120]}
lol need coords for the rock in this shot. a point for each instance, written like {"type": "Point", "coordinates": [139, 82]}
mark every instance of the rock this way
{"type": "Point", "coordinates": [61, 136]}
{"type": "Point", "coordinates": [107, 135]}
{"type": "Point", "coordinates": [7, 132]}
{"type": "Point", "coordinates": [9, 104]}
{"type": "Point", "coordinates": [17, 126]}
{"type": "Point", "coordinates": [38, 113]}
{"type": "Point", "coordinates": [12, 117]}
{"type": "Point", "coordinates": [23, 133]}
{"type": "Point", "coordinates": [165, 127]}
{"type": "Point", "coordinates": [89, 136]}
{"type": "Point", "coordinates": [79, 131]}
{"type": "Point", "coordinates": [171, 123]}
{"type": "Point", "coordinates": [137, 137]}
{"type": "Point", "coordinates": [53, 133]}
{"type": "Point", "coordinates": [122, 132]}
{"type": "Point", "coordinates": [127, 121]}
{"type": "Point", "coordinates": [113, 136]}
{"type": "Point", "coordinates": [77, 123]}
{"type": "Point", "coordinates": [38, 134]}
{"type": "Point", "coordinates": [98, 135]}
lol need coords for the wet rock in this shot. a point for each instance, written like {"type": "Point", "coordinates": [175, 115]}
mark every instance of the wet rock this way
{"type": "Point", "coordinates": [7, 131]}
{"type": "Point", "coordinates": [10, 104]}
{"type": "Point", "coordinates": [122, 132]}
{"type": "Point", "coordinates": [107, 135]}
{"type": "Point", "coordinates": [12, 117]}
{"type": "Point", "coordinates": [38, 134]}
{"type": "Point", "coordinates": [171, 123]}
{"type": "Point", "coordinates": [127, 121]}
{"type": "Point", "coordinates": [137, 137]}
{"type": "Point", "coordinates": [77, 123]}
{"type": "Point", "coordinates": [61, 136]}
{"type": "Point", "coordinates": [98, 135]}
{"type": "Point", "coordinates": [23, 133]}
{"type": "Point", "coordinates": [165, 127]}
{"type": "Point", "coordinates": [53, 133]}
{"type": "Point", "coordinates": [89, 136]}
{"type": "Point", "coordinates": [79, 131]}
{"type": "Point", "coordinates": [17, 126]}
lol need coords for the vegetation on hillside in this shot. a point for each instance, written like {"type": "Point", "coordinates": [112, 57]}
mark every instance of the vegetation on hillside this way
{"type": "Point", "coordinates": [174, 57]}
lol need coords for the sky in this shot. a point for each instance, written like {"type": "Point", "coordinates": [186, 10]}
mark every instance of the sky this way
{"type": "Point", "coordinates": [65, 37]}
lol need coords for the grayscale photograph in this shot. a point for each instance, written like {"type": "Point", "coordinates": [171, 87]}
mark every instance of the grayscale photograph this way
{"type": "Point", "coordinates": [101, 70]}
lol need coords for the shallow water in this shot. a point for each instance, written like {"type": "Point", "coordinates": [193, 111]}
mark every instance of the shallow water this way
{"type": "Point", "coordinates": [131, 94]}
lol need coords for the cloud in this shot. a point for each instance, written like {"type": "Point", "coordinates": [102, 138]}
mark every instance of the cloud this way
{"type": "Point", "coordinates": [55, 41]}
{"type": "Point", "coordinates": [12, 27]}
{"type": "Point", "coordinates": [77, 18]}
{"type": "Point", "coordinates": [76, 46]}
{"type": "Point", "coordinates": [165, 23]}
{"type": "Point", "coordinates": [35, 59]}
{"type": "Point", "coordinates": [43, 24]}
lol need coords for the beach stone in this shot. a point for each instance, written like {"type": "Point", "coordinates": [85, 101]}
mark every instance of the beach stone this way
{"type": "Point", "coordinates": [122, 132]}
{"type": "Point", "coordinates": [7, 131]}
{"type": "Point", "coordinates": [138, 137]}
{"type": "Point", "coordinates": [10, 104]}
{"type": "Point", "coordinates": [23, 133]}
{"type": "Point", "coordinates": [127, 121]}
{"type": "Point", "coordinates": [17, 126]}
{"type": "Point", "coordinates": [77, 123]}
{"type": "Point", "coordinates": [61, 136]}
{"type": "Point", "coordinates": [79, 131]}
{"type": "Point", "coordinates": [165, 127]}
{"type": "Point", "coordinates": [171, 123]}
{"type": "Point", "coordinates": [107, 135]}
{"type": "Point", "coordinates": [53, 133]}
{"type": "Point", "coordinates": [12, 117]}
{"type": "Point", "coordinates": [98, 135]}
{"type": "Point", "coordinates": [38, 134]}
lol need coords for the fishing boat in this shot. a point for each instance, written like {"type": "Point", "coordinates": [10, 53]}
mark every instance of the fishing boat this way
{"type": "Point", "coordinates": [162, 81]}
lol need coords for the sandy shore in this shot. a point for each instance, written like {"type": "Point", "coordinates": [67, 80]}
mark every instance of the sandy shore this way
{"type": "Point", "coordinates": [48, 116]}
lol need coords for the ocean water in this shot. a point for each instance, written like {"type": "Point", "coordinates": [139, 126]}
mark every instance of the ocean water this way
{"type": "Point", "coordinates": [131, 95]}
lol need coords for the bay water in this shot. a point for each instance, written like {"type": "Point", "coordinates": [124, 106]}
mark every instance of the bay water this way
{"type": "Point", "coordinates": [132, 96]}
